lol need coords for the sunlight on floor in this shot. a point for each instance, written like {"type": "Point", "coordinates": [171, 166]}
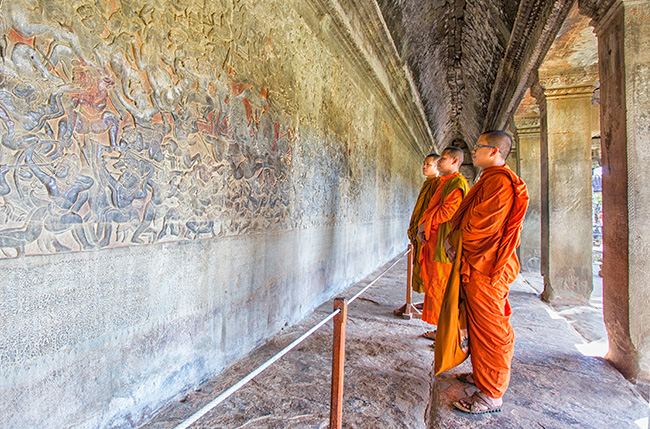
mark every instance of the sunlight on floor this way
{"type": "Point", "coordinates": [642, 423]}
{"type": "Point", "coordinates": [598, 348]}
{"type": "Point", "coordinates": [554, 314]}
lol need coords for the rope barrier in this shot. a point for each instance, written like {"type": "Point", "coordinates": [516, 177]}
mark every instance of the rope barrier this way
{"type": "Point", "coordinates": [351, 300]}
{"type": "Point", "coordinates": [219, 399]}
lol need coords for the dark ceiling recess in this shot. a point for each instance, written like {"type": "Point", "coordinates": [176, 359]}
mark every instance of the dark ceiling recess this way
{"type": "Point", "coordinates": [472, 60]}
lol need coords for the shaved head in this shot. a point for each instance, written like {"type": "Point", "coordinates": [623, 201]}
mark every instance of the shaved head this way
{"type": "Point", "coordinates": [500, 139]}
{"type": "Point", "coordinates": [455, 152]}
{"type": "Point", "coordinates": [432, 155]}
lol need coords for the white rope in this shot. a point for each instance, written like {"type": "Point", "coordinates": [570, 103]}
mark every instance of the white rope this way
{"type": "Point", "coordinates": [375, 280]}
{"type": "Point", "coordinates": [219, 399]}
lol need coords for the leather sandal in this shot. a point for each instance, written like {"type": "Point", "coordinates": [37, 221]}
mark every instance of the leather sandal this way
{"type": "Point", "coordinates": [479, 403]}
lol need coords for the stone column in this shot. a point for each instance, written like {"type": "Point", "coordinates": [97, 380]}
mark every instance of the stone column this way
{"type": "Point", "coordinates": [623, 32]}
{"type": "Point", "coordinates": [527, 123]}
{"type": "Point", "coordinates": [566, 176]}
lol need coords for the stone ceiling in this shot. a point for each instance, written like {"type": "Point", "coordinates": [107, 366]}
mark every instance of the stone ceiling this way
{"type": "Point", "coordinates": [472, 60]}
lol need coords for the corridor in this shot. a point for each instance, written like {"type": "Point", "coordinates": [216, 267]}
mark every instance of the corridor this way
{"type": "Point", "coordinates": [388, 375]}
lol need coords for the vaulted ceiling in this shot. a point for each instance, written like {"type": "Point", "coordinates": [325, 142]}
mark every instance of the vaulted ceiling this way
{"type": "Point", "coordinates": [472, 60]}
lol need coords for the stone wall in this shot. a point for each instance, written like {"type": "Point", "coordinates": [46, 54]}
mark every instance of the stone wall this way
{"type": "Point", "coordinates": [178, 181]}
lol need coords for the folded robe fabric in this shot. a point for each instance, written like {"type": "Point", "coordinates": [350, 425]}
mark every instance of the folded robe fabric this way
{"type": "Point", "coordinates": [428, 188]}
{"type": "Point", "coordinates": [486, 231]}
{"type": "Point", "coordinates": [489, 220]}
{"type": "Point", "coordinates": [490, 217]}
{"type": "Point", "coordinates": [452, 344]}
{"type": "Point", "coordinates": [436, 267]}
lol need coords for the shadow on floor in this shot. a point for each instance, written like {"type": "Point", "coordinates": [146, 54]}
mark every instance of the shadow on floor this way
{"type": "Point", "coordinates": [388, 375]}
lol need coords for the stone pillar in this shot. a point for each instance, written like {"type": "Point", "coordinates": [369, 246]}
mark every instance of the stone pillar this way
{"type": "Point", "coordinates": [623, 32]}
{"type": "Point", "coordinates": [566, 176]}
{"type": "Point", "coordinates": [527, 124]}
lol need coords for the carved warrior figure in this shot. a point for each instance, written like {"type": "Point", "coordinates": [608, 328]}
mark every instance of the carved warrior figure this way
{"type": "Point", "coordinates": [111, 137]}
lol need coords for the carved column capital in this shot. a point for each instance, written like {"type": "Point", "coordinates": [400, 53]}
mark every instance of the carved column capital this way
{"type": "Point", "coordinates": [527, 124]}
{"type": "Point", "coordinates": [577, 82]}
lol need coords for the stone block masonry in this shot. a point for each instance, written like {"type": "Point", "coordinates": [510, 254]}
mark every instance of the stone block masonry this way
{"type": "Point", "coordinates": [177, 183]}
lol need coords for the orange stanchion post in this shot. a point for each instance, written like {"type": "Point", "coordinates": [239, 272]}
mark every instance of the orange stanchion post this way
{"type": "Point", "coordinates": [408, 309]}
{"type": "Point", "coordinates": [338, 362]}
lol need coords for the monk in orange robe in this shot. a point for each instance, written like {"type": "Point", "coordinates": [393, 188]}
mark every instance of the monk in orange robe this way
{"type": "Point", "coordinates": [433, 230]}
{"type": "Point", "coordinates": [430, 170]}
{"type": "Point", "coordinates": [489, 219]}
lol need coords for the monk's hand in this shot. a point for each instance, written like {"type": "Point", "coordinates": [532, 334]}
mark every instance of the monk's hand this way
{"type": "Point", "coordinates": [421, 234]}
{"type": "Point", "coordinates": [451, 251]}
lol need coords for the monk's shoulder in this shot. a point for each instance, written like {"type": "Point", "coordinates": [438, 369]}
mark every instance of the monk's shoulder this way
{"type": "Point", "coordinates": [498, 178]}
{"type": "Point", "coordinates": [497, 186]}
{"type": "Point", "coordinates": [457, 181]}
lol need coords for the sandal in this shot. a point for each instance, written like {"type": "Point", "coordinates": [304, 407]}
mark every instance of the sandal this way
{"type": "Point", "coordinates": [466, 377]}
{"type": "Point", "coordinates": [479, 403]}
{"type": "Point", "coordinates": [429, 335]}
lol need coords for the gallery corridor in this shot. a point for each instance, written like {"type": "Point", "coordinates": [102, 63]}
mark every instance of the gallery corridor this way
{"type": "Point", "coordinates": [388, 375]}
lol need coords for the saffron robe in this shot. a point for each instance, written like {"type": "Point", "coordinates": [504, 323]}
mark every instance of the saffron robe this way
{"type": "Point", "coordinates": [490, 219]}
{"type": "Point", "coordinates": [436, 267]}
{"type": "Point", "coordinates": [428, 188]}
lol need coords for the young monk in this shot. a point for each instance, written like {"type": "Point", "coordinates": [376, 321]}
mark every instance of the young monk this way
{"type": "Point", "coordinates": [430, 170]}
{"type": "Point", "coordinates": [489, 219]}
{"type": "Point", "coordinates": [433, 230]}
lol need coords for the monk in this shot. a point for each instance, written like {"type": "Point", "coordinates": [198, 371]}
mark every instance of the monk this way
{"type": "Point", "coordinates": [433, 230]}
{"type": "Point", "coordinates": [430, 170]}
{"type": "Point", "coordinates": [489, 219]}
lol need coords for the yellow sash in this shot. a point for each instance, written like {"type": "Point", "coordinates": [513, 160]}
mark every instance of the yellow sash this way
{"type": "Point", "coordinates": [452, 340]}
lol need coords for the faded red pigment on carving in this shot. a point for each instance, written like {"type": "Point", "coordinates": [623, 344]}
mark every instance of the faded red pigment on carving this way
{"type": "Point", "coordinates": [17, 37]}
{"type": "Point", "coordinates": [265, 94]}
{"type": "Point", "coordinates": [121, 132]}
{"type": "Point", "coordinates": [276, 132]}
{"type": "Point", "coordinates": [238, 87]}
{"type": "Point", "coordinates": [249, 110]}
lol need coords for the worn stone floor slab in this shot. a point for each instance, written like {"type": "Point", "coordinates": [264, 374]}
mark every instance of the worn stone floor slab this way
{"type": "Point", "coordinates": [388, 376]}
{"type": "Point", "coordinates": [388, 372]}
{"type": "Point", "coordinates": [553, 384]}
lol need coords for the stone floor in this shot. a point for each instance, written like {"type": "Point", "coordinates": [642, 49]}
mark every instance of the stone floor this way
{"type": "Point", "coordinates": [388, 375]}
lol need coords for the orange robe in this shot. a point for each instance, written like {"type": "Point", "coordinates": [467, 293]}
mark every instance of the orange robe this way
{"type": "Point", "coordinates": [428, 188]}
{"type": "Point", "coordinates": [490, 219]}
{"type": "Point", "coordinates": [435, 272]}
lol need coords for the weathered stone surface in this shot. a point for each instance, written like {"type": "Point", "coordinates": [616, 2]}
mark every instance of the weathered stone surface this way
{"type": "Point", "coordinates": [472, 60]}
{"type": "Point", "coordinates": [388, 375]}
{"type": "Point", "coordinates": [177, 182]}
{"type": "Point", "coordinates": [387, 372]}
{"type": "Point", "coordinates": [552, 385]}
{"type": "Point", "coordinates": [528, 144]}
{"type": "Point", "coordinates": [566, 166]}
{"type": "Point", "coordinates": [533, 34]}
{"type": "Point", "coordinates": [624, 49]}
{"type": "Point", "coordinates": [570, 122]}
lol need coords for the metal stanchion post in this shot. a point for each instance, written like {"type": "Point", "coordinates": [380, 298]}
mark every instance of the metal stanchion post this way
{"type": "Point", "coordinates": [338, 362]}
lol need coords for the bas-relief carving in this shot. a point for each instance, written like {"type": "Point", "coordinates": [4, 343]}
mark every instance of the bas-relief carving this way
{"type": "Point", "coordinates": [113, 134]}
{"type": "Point", "coordinates": [124, 123]}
